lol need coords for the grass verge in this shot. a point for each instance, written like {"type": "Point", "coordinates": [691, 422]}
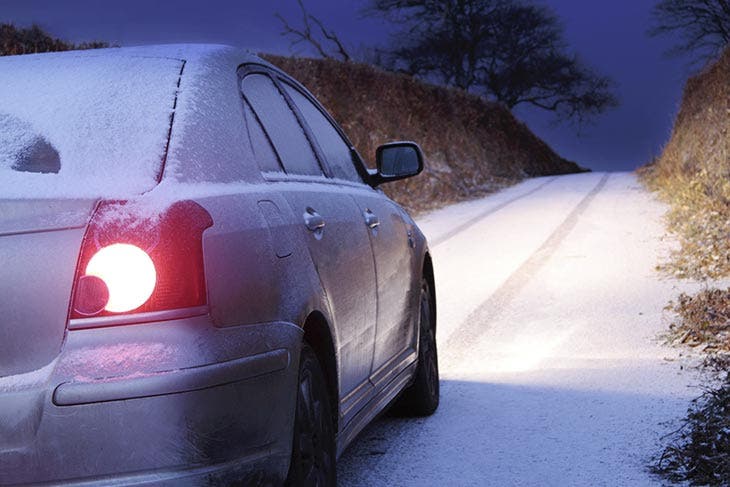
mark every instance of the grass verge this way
{"type": "Point", "coordinates": [693, 176]}
{"type": "Point", "coordinates": [699, 452]}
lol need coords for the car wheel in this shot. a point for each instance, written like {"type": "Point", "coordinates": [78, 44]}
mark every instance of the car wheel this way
{"type": "Point", "coordinates": [421, 398]}
{"type": "Point", "coordinates": [313, 451]}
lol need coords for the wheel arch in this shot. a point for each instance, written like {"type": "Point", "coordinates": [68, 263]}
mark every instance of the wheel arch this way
{"type": "Point", "coordinates": [428, 274]}
{"type": "Point", "coordinates": [318, 335]}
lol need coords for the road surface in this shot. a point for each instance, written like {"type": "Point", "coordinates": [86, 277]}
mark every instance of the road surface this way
{"type": "Point", "coordinates": [549, 310]}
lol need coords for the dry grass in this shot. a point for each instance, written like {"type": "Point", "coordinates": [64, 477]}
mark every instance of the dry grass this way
{"type": "Point", "coordinates": [703, 319]}
{"type": "Point", "coordinates": [693, 175]}
{"type": "Point", "coordinates": [700, 450]}
{"type": "Point", "coordinates": [472, 146]}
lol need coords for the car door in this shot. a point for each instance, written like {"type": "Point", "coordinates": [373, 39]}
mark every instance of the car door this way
{"type": "Point", "coordinates": [332, 226]}
{"type": "Point", "coordinates": [394, 265]}
{"type": "Point", "coordinates": [390, 241]}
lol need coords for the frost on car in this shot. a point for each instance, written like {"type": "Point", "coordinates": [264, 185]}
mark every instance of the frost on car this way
{"type": "Point", "coordinates": [201, 281]}
{"type": "Point", "coordinates": [22, 150]}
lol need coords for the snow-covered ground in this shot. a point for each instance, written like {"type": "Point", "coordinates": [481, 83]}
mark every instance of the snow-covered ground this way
{"type": "Point", "coordinates": [552, 372]}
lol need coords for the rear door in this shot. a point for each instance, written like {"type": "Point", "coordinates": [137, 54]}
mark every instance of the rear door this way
{"type": "Point", "coordinates": [332, 226]}
{"type": "Point", "coordinates": [394, 257]}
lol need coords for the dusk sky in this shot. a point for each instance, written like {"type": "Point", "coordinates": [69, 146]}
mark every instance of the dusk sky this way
{"type": "Point", "coordinates": [608, 36]}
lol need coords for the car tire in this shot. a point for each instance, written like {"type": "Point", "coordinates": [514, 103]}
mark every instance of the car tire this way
{"type": "Point", "coordinates": [421, 398]}
{"type": "Point", "coordinates": [313, 450]}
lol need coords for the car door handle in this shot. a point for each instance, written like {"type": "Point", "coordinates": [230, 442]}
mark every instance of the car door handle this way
{"type": "Point", "coordinates": [371, 219]}
{"type": "Point", "coordinates": [313, 220]}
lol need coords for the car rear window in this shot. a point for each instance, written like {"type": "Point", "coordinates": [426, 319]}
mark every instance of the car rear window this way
{"type": "Point", "coordinates": [259, 143]}
{"type": "Point", "coordinates": [84, 125]}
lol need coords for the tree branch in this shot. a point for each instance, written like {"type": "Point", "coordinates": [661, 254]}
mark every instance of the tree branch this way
{"type": "Point", "coordinates": [704, 25]}
{"type": "Point", "coordinates": [306, 35]}
{"type": "Point", "coordinates": [331, 36]}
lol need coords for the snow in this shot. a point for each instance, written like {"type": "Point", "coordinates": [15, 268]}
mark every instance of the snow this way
{"type": "Point", "coordinates": [28, 380]}
{"type": "Point", "coordinates": [440, 225]}
{"type": "Point", "coordinates": [16, 135]}
{"type": "Point", "coordinates": [552, 370]}
{"type": "Point", "coordinates": [106, 113]}
{"type": "Point", "coordinates": [106, 116]}
{"type": "Point", "coordinates": [94, 363]}
{"type": "Point", "coordinates": [207, 143]}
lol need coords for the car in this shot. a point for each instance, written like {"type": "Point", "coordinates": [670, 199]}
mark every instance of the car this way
{"type": "Point", "coordinates": [202, 282]}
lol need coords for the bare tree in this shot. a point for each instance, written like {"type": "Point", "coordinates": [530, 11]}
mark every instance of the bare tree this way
{"type": "Point", "coordinates": [507, 50]}
{"type": "Point", "coordinates": [704, 25]}
{"type": "Point", "coordinates": [305, 34]}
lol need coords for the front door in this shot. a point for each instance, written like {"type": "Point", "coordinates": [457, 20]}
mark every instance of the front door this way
{"type": "Point", "coordinates": [394, 267]}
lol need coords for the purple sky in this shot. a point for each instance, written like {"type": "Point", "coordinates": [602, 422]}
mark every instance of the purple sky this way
{"type": "Point", "coordinates": [609, 36]}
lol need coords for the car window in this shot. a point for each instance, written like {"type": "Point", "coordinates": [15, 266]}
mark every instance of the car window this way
{"type": "Point", "coordinates": [335, 149]}
{"type": "Point", "coordinates": [260, 144]}
{"type": "Point", "coordinates": [282, 127]}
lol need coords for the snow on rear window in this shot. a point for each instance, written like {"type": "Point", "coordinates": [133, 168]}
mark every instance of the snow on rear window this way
{"type": "Point", "coordinates": [83, 125]}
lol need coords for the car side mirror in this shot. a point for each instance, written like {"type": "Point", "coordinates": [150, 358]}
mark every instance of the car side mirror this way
{"type": "Point", "coordinates": [397, 160]}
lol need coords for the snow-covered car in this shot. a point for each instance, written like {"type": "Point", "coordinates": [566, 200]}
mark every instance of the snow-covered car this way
{"type": "Point", "coordinates": [200, 280]}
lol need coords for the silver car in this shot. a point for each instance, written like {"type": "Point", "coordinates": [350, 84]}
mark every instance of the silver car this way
{"type": "Point", "coordinates": [199, 279]}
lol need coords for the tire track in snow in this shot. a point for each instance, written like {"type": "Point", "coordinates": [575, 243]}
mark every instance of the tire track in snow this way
{"type": "Point", "coordinates": [473, 221]}
{"type": "Point", "coordinates": [476, 324]}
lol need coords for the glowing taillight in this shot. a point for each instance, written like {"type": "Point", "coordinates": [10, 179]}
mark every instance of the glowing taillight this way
{"type": "Point", "coordinates": [134, 265]}
{"type": "Point", "coordinates": [129, 275]}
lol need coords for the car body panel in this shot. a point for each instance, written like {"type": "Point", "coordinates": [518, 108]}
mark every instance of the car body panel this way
{"type": "Point", "coordinates": [221, 416]}
{"type": "Point", "coordinates": [35, 284]}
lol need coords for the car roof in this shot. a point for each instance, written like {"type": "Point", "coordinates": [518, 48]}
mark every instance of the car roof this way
{"type": "Point", "coordinates": [192, 53]}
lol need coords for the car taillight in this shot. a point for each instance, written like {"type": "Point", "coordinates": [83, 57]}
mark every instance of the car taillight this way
{"type": "Point", "coordinates": [130, 265]}
{"type": "Point", "coordinates": [128, 273]}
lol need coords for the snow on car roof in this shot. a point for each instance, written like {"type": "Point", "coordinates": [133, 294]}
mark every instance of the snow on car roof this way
{"type": "Point", "coordinates": [97, 123]}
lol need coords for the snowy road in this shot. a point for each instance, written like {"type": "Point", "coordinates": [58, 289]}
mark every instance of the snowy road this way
{"type": "Point", "coordinates": [552, 373]}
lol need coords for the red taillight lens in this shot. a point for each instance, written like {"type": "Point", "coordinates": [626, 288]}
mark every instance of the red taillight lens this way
{"type": "Point", "coordinates": [129, 264]}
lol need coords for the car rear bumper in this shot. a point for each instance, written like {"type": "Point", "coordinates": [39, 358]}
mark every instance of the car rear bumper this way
{"type": "Point", "coordinates": [178, 402]}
